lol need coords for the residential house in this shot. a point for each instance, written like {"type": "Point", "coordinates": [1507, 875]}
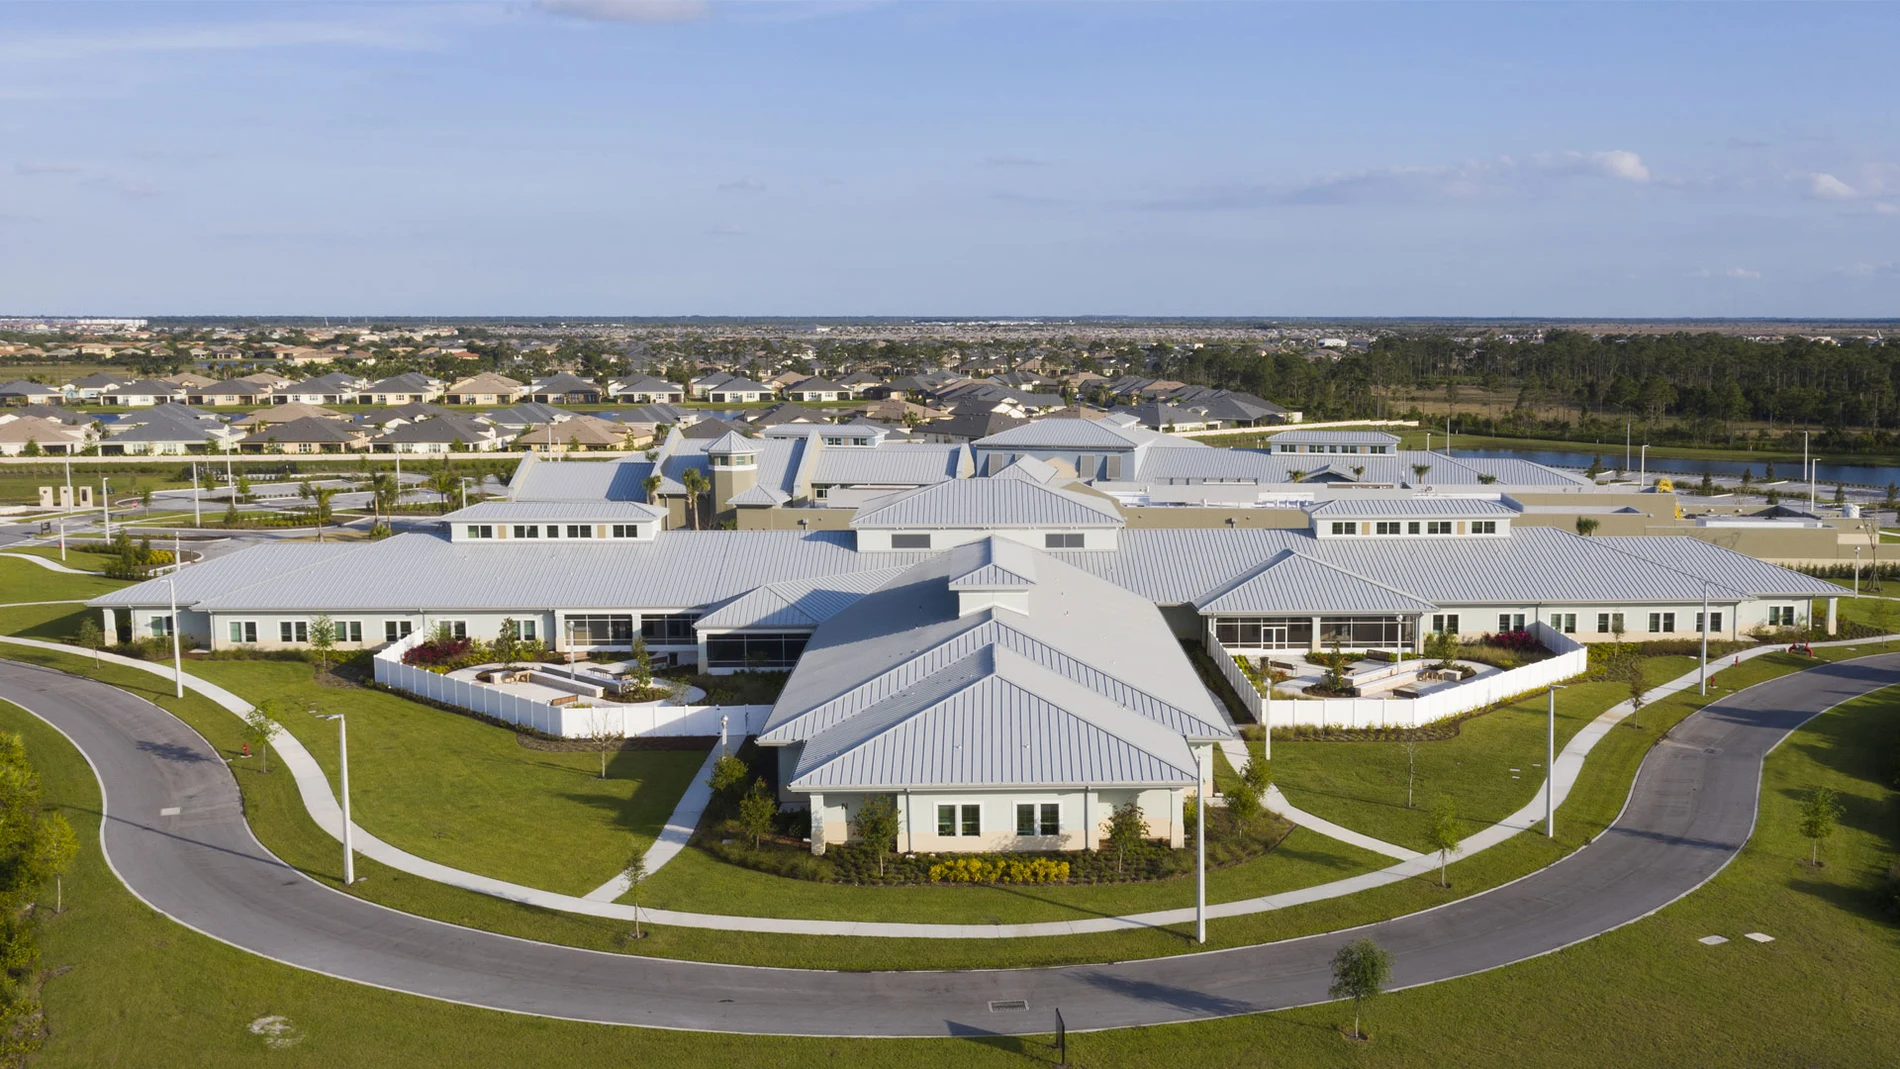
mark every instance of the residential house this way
{"type": "Point", "coordinates": [564, 389]}
{"type": "Point", "coordinates": [22, 392]}
{"type": "Point", "coordinates": [308, 435]}
{"type": "Point", "coordinates": [486, 388]}
{"type": "Point", "coordinates": [335, 388]}
{"type": "Point", "coordinates": [142, 392]}
{"type": "Point", "coordinates": [577, 435]}
{"type": "Point", "coordinates": [229, 392]}
{"type": "Point", "coordinates": [450, 433]}
{"type": "Point", "coordinates": [817, 389]}
{"type": "Point", "coordinates": [645, 390]}
{"type": "Point", "coordinates": [410, 387]}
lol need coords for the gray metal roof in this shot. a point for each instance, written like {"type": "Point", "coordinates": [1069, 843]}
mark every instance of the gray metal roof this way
{"type": "Point", "coordinates": [1094, 435]}
{"type": "Point", "coordinates": [580, 480]}
{"type": "Point", "coordinates": [999, 563]}
{"type": "Point", "coordinates": [896, 464]}
{"type": "Point", "coordinates": [1409, 507]}
{"type": "Point", "coordinates": [798, 603]}
{"type": "Point", "coordinates": [529, 511]}
{"type": "Point", "coordinates": [759, 495]}
{"type": "Point", "coordinates": [1296, 582]}
{"type": "Point", "coordinates": [988, 503]}
{"type": "Point", "coordinates": [1343, 436]}
{"type": "Point", "coordinates": [1737, 571]}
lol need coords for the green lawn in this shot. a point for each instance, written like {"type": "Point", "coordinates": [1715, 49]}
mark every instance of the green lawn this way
{"type": "Point", "coordinates": [22, 580]}
{"type": "Point", "coordinates": [84, 560]}
{"type": "Point", "coordinates": [463, 792]}
{"type": "Point", "coordinates": [130, 989]}
{"type": "Point", "coordinates": [1362, 785]}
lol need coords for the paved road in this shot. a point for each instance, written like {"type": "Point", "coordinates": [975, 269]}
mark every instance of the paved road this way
{"type": "Point", "coordinates": [1692, 808]}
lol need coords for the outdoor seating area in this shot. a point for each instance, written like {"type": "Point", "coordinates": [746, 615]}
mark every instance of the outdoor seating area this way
{"type": "Point", "coordinates": [1370, 677]}
{"type": "Point", "coordinates": [558, 685]}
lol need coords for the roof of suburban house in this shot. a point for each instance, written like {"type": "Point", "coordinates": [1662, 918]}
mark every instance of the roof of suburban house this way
{"type": "Point", "coordinates": [486, 382]}
{"type": "Point", "coordinates": [36, 429]}
{"type": "Point", "coordinates": [581, 430]}
{"type": "Point", "coordinates": [524, 511]}
{"type": "Point", "coordinates": [1344, 436]}
{"type": "Point", "coordinates": [562, 382]}
{"type": "Point", "coordinates": [99, 380]}
{"type": "Point", "coordinates": [814, 385]}
{"type": "Point", "coordinates": [526, 413]}
{"type": "Point", "coordinates": [735, 384]}
{"type": "Point", "coordinates": [231, 388]}
{"type": "Point", "coordinates": [149, 388]}
{"type": "Point", "coordinates": [407, 382]}
{"type": "Point", "coordinates": [176, 429]}
{"type": "Point", "coordinates": [23, 388]}
{"type": "Point", "coordinates": [308, 430]}
{"type": "Point", "coordinates": [780, 415]}
{"type": "Point", "coordinates": [334, 382]}
{"type": "Point", "coordinates": [795, 603]}
{"type": "Point", "coordinates": [989, 503]}
{"type": "Point", "coordinates": [973, 425]}
{"type": "Point", "coordinates": [714, 427]}
{"type": "Point", "coordinates": [450, 427]}
{"type": "Point", "coordinates": [1080, 434]}
{"type": "Point", "coordinates": [64, 415]}
{"type": "Point", "coordinates": [289, 413]}
{"type": "Point", "coordinates": [646, 384]}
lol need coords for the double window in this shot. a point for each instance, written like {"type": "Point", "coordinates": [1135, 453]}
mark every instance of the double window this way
{"type": "Point", "coordinates": [1445, 622]}
{"type": "Point", "coordinates": [580, 530]}
{"type": "Point", "coordinates": [1345, 527]}
{"type": "Point", "coordinates": [527, 530]}
{"type": "Point", "coordinates": [673, 629]}
{"type": "Point", "coordinates": [1038, 818]}
{"type": "Point", "coordinates": [349, 630]}
{"type": "Point", "coordinates": [1062, 541]}
{"type": "Point", "coordinates": [603, 629]}
{"type": "Point", "coordinates": [293, 631]}
{"type": "Point", "coordinates": [1484, 527]}
{"type": "Point", "coordinates": [457, 628]}
{"type": "Point", "coordinates": [244, 632]}
{"type": "Point", "coordinates": [1609, 623]}
{"type": "Point", "coordinates": [1662, 623]}
{"type": "Point", "coordinates": [1715, 621]}
{"type": "Point", "coordinates": [1386, 527]}
{"type": "Point", "coordinates": [625, 530]}
{"type": "Point", "coordinates": [161, 625]}
{"type": "Point", "coordinates": [1564, 621]}
{"type": "Point", "coordinates": [481, 530]}
{"type": "Point", "coordinates": [755, 652]}
{"type": "Point", "coordinates": [1438, 527]}
{"type": "Point", "coordinates": [524, 630]}
{"type": "Point", "coordinates": [395, 629]}
{"type": "Point", "coordinates": [1781, 616]}
{"type": "Point", "coordinates": [1510, 621]}
{"type": "Point", "coordinates": [954, 820]}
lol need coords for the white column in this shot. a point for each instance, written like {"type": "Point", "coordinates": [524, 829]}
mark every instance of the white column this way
{"type": "Point", "coordinates": [1833, 615]}
{"type": "Point", "coordinates": [817, 824]}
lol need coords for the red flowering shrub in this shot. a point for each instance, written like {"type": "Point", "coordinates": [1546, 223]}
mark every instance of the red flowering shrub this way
{"type": "Point", "coordinates": [437, 652]}
{"type": "Point", "coordinates": [1512, 640]}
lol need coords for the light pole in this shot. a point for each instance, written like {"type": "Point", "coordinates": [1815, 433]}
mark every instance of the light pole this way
{"type": "Point", "coordinates": [463, 483]}
{"type": "Point", "coordinates": [197, 508]}
{"type": "Point", "coordinates": [1807, 471]}
{"type": "Point", "coordinates": [1200, 847]}
{"type": "Point", "coordinates": [343, 759]}
{"type": "Point", "coordinates": [105, 505]}
{"type": "Point", "coordinates": [171, 624]}
{"type": "Point", "coordinates": [1550, 768]}
{"type": "Point", "coordinates": [1702, 680]}
{"type": "Point", "coordinates": [1642, 476]}
{"type": "Point", "coordinates": [1857, 571]}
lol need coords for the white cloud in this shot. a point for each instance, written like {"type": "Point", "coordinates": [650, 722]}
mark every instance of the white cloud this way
{"type": "Point", "coordinates": [1867, 270]}
{"type": "Point", "coordinates": [1741, 272]}
{"type": "Point", "coordinates": [1495, 177]}
{"type": "Point", "coordinates": [1620, 164]}
{"type": "Point", "coordinates": [1732, 272]}
{"type": "Point", "coordinates": [743, 185]}
{"type": "Point", "coordinates": [641, 11]}
{"type": "Point", "coordinates": [1827, 187]}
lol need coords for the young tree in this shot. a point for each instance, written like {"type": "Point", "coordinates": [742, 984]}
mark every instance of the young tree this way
{"type": "Point", "coordinates": [53, 854]}
{"type": "Point", "coordinates": [759, 808]}
{"type": "Point", "coordinates": [1442, 648]}
{"type": "Point", "coordinates": [642, 665]}
{"type": "Point", "coordinates": [91, 638]}
{"type": "Point", "coordinates": [261, 729]}
{"type": "Point", "coordinates": [636, 873]}
{"type": "Point", "coordinates": [877, 825]}
{"type": "Point", "coordinates": [507, 645]}
{"type": "Point", "coordinates": [321, 495]}
{"type": "Point", "coordinates": [1818, 816]}
{"type": "Point", "coordinates": [1587, 526]}
{"type": "Point", "coordinates": [1420, 471]}
{"type": "Point", "coordinates": [1127, 828]}
{"type": "Point", "coordinates": [604, 731]}
{"type": "Point", "coordinates": [322, 639]}
{"type": "Point", "coordinates": [1442, 834]}
{"type": "Point", "coordinates": [1361, 969]}
{"type": "Point", "coordinates": [1629, 670]}
{"type": "Point", "coordinates": [728, 775]}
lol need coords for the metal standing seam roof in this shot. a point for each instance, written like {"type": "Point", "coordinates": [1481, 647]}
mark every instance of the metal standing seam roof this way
{"type": "Point", "coordinates": [1079, 434]}
{"type": "Point", "coordinates": [522, 511]}
{"type": "Point", "coordinates": [895, 464]}
{"type": "Point", "coordinates": [1341, 508]}
{"type": "Point", "coordinates": [429, 573]}
{"type": "Point", "coordinates": [1335, 437]}
{"type": "Point", "coordinates": [798, 603]}
{"type": "Point", "coordinates": [988, 503]}
{"type": "Point", "coordinates": [1000, 563]}
{"type": "Point", "coordinates": [996, 720]}
{"type": "Point", "coordinates": [580, 480]}
{"type": "Point", "coordinates": [1737, 571]}
{"type": "Point", "coordinates": [1293, 581]}
{"type": "Point", "coordinates": [759, 495]}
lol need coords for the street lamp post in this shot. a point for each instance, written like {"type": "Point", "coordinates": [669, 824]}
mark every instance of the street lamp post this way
{"type": "Point", "coordinates": [343, 760]}
{"type": "Point", "coordinates": [1702, 680]}
{"type": "Point", "coordinates": [171, 624]}
{"type": "Point", "coordinates": [197, 507]}
{"type": "Point", "coordinates": [1642, 476]}
{"type": "Point", "coordinates": [105, 505]}
{"type": "Point", "coordinates": [1857, 571]}
{"type": "Point", "coordinates": [1550, 768]}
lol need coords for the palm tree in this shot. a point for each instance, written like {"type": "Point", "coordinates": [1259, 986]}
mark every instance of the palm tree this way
{"type": "Point", "coordinates": [1295, 474]}
{"type": "Point", "coordinates": [651, 484]}
{"type": "Point", "coordinates": [322, 496]}
{"type": "Point", "coordinates": [1419, 470]}
{"type": "Point", "coordinates": [696, 485]}
{"type": "Point", "coordinates": [444, 483]}
{"type": "Point", "coordinates": [378, 489]}
{"type": "Point", "coordinates": [1586, 526]}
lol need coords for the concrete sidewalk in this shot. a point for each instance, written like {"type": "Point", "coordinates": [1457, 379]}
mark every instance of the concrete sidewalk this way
{"type": "Point", "coordinates": [318, 797]}
{"type": "Point", "coordinates": [673, 837]}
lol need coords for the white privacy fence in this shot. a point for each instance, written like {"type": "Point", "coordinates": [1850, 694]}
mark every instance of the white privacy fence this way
{"type": "Point", "coordinates": [1249, 695]}
{"type": "Point", "coordinates": [564, 721]}
{"type": "Point", "coordinates": [1571, 659]}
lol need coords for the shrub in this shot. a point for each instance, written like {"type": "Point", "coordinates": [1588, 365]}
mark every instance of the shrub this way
{"type": "Point", "coordinates": [443, 653]}
{"type": "Point", "coordinates": [1512, 640]}
{"type": "Point", "coordinates": [999, 870]}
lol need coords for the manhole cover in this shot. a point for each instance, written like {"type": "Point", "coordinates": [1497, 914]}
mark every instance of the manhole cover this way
{"type": "Point", "coordinates": [1008, 1005]}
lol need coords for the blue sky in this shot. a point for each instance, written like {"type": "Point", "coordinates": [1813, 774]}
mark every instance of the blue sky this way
{"type": "Point", "coordinates": [962, 158]}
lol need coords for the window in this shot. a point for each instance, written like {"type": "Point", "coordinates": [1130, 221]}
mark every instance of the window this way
{"type": "Point", "coordinates": [395, 629]}
{"type": "Point", "coordinates": [1484, 527]}
{"type": "Point", "coordinates": [524, 630]}
{"type": "Point", "coordinates": [1038, 818]}
{"type": "Point", "coordinates": [349, 630]}
{"type": "Point", "coordinates": [758, 652]}
{"type": "Point", "coordinates": [948, 824]}
{"type": "Point", "coordinates": [554, 530]}
{"type": "Point", "coordinates": [946, 820]}
{"type": "Point", "coordinates": [481, 530]}
{"type": "Point", "coordinates": [527, 530]}
{"type": "Point", "coordinates": [1345, 527]}
{"type": "Point", "coordinates": [1062, 541]}
{"type": "Point", "coordinates": [1662, 623]}
{"type": "Point", "coordinates": [1715, 622]}
{"type": "Point", "coordinates": [674, 629]}
{"type": "Point", "coordinates": [244, 632]}
{"type": "Point", "coordinates": [580, 530]}
{"type": "Point", "coordinates": [457, 628]}
{"type": "Point", "coordinates": [293, 631]}
{"type": "Point", "coordinates": [1411, 527]}
{"type": "Point", "coordinates": [1386, 527]}
{"type": "Point", "coordinates": [1445, 622]}
{"type": "Point", "coordinates": [910, 541]}
{"type": "Point", "coordinates": [161, 625]}
{"type": "Point", "coordinates": [602, 629]}
{"type": "Point", "coordinates": [1564, 621]}
{"type": "Point", "coordinates": [1437, 526]}
{"type": "Point", "coordinates": [1510, 621]}
{"type": "Point", "coordinates": [1781, 616]}
{"type": "Point", "coordinates": [1609, 622]}
{"type": "Point", "coordinates": [626, 530]}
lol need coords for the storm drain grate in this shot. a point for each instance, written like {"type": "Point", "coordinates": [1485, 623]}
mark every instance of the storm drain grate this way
{"type": "Point", "coordinates": [1008, 1005]}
